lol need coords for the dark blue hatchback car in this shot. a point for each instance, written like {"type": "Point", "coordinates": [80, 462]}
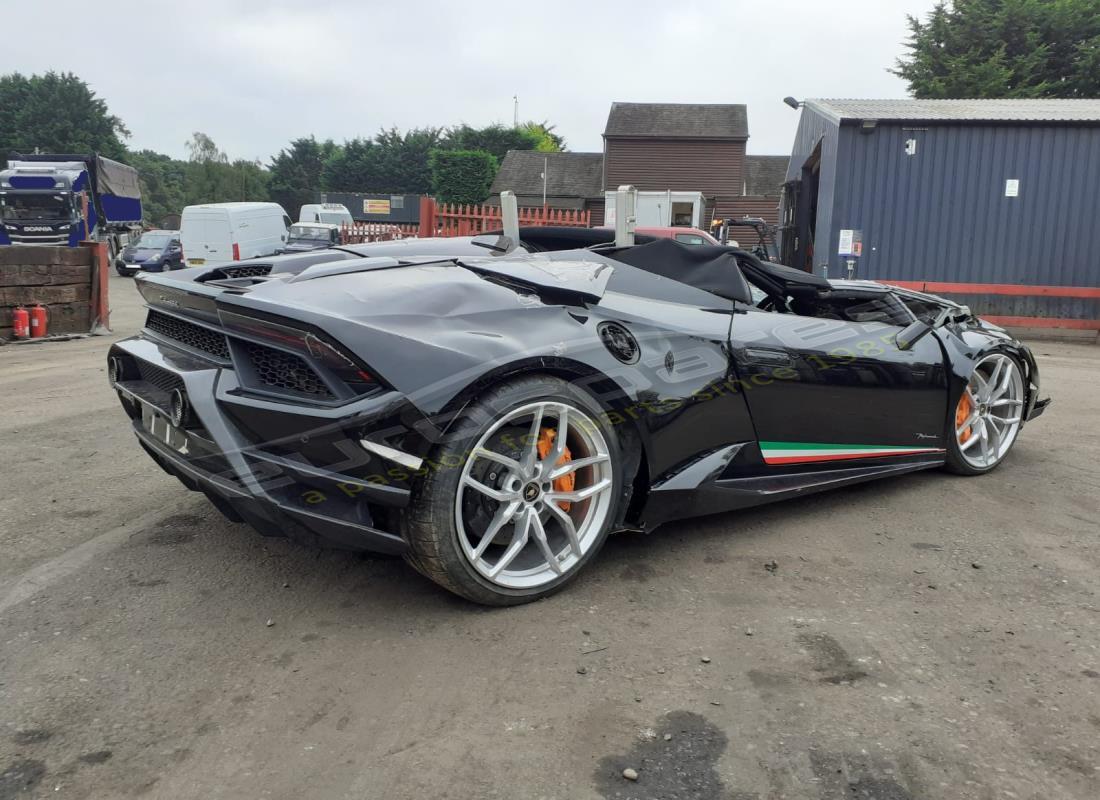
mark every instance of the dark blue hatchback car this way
{"type": "Point", "coordinates": [155, 251]}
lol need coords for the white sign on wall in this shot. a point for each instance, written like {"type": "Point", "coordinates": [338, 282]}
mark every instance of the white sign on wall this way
{"type": "Point", "coordinates": [1012, 187]}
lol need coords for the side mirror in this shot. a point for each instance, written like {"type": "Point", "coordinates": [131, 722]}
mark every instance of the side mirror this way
{"type": "Point", "coordinates": [912, 334]}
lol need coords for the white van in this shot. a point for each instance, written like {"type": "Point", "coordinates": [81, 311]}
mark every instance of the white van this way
{"type": "Point", "coordinates": [330, 213]}
{"type": "Point", "coordinates": [217, 233]}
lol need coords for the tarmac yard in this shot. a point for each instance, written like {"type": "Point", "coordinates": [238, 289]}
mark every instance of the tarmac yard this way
{"type": "Point", "coordinates": [927, 636]}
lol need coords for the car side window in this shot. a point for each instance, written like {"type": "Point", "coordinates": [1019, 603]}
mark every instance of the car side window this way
{"type": "Point", "coordinates": [883, 307]}
{"type": "Point", "coordinates": [689, 238]}
{"type": "Point", "coordinates": [925, 310]}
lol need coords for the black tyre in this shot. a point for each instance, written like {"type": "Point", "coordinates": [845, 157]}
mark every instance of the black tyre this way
{"type": "Point", "coordinates": [988, 416]}
{"type": "Point", "coordinates": [521, 497]}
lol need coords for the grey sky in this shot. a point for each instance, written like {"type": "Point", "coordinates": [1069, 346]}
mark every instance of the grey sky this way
{"type": "Point", "coordinates": [254, 74]}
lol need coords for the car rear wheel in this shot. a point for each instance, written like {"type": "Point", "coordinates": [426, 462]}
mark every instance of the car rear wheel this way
{"type": "Point", "coordinates": [988, 416]}
{"type": "Point", "coordinates": [521, 497]}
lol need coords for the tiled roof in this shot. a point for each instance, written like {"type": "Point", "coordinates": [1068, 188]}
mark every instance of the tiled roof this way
{"type": "Point", "coordinates": [764, 175]}
{"type": "Point", "coordinates": [678, 120]}
{"type": "Point", "coordinates": [567, 174]}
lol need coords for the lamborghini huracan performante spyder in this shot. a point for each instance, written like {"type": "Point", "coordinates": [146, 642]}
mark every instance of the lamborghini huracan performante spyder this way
{"type": "Point", "coordinates": [492, 409]}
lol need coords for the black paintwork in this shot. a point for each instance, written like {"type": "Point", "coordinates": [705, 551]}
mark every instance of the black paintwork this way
{"type": "Point", "coordinates": [712, 376]}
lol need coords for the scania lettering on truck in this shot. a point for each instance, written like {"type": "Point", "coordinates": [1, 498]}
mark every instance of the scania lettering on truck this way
{"type": "Point", "coordinates": [217, 233]}
{"type": "Point", "coordinates": [63, 199]}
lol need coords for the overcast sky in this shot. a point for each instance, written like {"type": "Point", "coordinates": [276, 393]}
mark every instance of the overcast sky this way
{"type": "Point", "coordinates": [254, 74]}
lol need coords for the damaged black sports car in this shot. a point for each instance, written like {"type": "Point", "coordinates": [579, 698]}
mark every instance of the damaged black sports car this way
{"type": "Point", "coordinates": [492, 409]}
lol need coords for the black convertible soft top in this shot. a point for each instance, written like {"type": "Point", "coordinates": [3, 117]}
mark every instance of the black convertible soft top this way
{"type": "Point", "coordinates": [711, 268]}
{"type": "Point", "coordinates": [781, 279]}
{"type": "Point", "coordinates": [718, 269]}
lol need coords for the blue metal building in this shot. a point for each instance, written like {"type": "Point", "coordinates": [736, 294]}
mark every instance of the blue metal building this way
{"type": "Point", "coordinates": [995, 203]}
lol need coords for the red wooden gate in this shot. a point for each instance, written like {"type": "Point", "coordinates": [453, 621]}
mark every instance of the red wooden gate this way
{"type": "Point", "coordinates": [442, 219]}
{"type": "Point", "coordinates": [469, 220]}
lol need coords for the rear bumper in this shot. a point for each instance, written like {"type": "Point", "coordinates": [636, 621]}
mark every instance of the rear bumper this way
{"type": "Point", "coordinates": [267, 515]}
{"type": "Point", "coordinates": [258, 478]}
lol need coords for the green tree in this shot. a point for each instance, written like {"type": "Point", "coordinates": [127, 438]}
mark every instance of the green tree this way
{"type": "Point", "coordinates": [57, 113]}
{"type": "Point", "coordinates": [206, 176]}
{"type": "Point", "coordinates": [162, 184]}
{"type": "Point", "coordinates": [402, 160]}
{"type": "Point", "coordinates": [296, 172]}
{"type": "Point", "coordinates": [1004, 48]}
{"type": "Point", "coordinates": [248, 181]}
{"type": "Point", "coordinates": [209, 176]}
{"type": "Point", "coordinates": [351, 168]}
{"type": "Point", "coordinates": [391, 162]}
{"type": "Point", "coordinates": [548, 141]}
{"type": "Point", "coordinates": [495, 139]}
{"type": "Point", "coordinates": [462, 176]}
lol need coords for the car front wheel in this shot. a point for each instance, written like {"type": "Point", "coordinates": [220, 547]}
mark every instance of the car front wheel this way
{"type": "Point", "coordinates": [988, 416]}
{"type": "Point", "coordinates": [520, 497]}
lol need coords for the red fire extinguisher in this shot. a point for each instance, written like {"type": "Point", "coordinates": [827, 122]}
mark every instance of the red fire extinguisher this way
{"type": "Point", "coordinates": [38, 321]}
{"type": "Point", "coordinates": [21, 323]}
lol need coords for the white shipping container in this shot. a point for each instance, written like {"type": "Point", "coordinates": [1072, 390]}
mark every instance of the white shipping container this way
{"type": "Point", "coordinates": [661, 209]}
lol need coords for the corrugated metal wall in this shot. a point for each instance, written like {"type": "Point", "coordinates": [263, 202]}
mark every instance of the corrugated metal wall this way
{"type": "Point", "coordinates": [404, 208]}
{"type": "Point", "coordinates": [942, 214]}
{"type": "Point", "coordinates": [813, 130]}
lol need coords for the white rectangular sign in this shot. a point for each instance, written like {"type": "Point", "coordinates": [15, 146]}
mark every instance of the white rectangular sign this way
{"type": "Point", "coordinates": [847, 236]}
{"type": "Point", "coordinates": [1012, 187]}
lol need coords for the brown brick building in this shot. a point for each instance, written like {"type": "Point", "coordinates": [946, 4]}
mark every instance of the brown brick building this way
{"type": "Point", "coordinates": [657, 147]}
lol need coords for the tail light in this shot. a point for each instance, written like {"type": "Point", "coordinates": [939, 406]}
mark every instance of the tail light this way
{"type": "Point", "coordinates": [321, 352]}
{"type": "Point", "coordinates": [236, 252]}
{"type": "Point", "coordinates": [358, 379]}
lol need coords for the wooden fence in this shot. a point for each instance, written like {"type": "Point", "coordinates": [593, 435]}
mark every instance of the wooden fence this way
{"type": "Point", "coordinates": [444, 220]}
{"type": "Point", "coordinates": [360, 232]}
{"type": "Point", "coordinates": [461, 220]}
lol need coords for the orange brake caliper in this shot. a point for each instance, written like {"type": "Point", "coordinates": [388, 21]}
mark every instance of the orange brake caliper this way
{"type": "Point", "coordinates": [962, 414]}
{"type": "Point", "coordinates": [566, 482]}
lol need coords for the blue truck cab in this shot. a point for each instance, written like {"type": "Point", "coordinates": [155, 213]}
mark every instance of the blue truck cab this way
{"type": "Point", "coordinates": [63, 199]}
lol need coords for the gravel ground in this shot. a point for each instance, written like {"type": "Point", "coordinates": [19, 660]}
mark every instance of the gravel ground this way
{"type": "Point", "coordinates": [926, 636]}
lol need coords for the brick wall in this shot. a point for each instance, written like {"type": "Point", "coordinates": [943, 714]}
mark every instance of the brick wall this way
{"type": "Point", "coordinates": [60, 278]}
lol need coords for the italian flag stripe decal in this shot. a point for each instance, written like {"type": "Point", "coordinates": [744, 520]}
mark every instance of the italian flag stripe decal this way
{"type": "Point", "coordinates": [809, 452]}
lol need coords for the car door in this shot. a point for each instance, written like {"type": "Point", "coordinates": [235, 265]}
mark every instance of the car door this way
{"type": "Point", "coordinates": [836, 390]}
{"type": "Point", "coordinates": [217, 237]}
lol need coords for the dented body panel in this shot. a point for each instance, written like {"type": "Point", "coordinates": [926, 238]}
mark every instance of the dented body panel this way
{"type": "Point", "coordinates": [287, 372]}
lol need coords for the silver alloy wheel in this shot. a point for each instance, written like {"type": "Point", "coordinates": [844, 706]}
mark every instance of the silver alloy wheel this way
{"type": "Point", "coordinates": [530, 539]}
{"type": "Point", "coordinates": [996, 396]}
